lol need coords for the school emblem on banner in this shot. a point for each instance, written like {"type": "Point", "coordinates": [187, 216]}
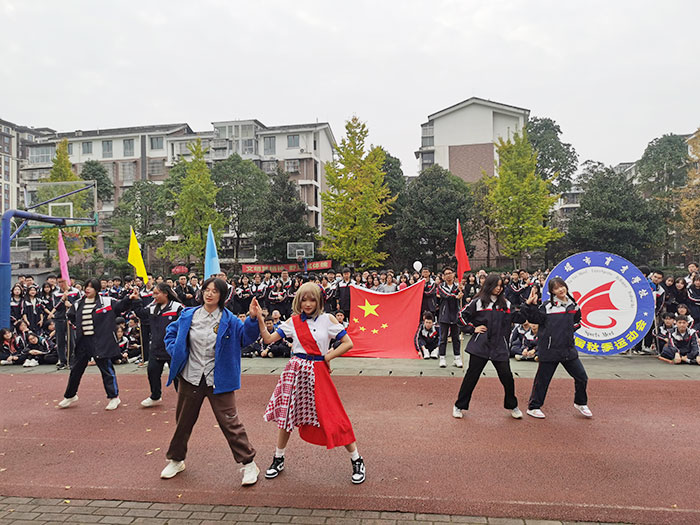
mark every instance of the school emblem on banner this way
{"type": "Point", "coordinates": [616, 301]}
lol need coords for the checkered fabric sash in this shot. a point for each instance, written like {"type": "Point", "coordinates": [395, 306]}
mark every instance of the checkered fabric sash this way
{"type": "Point", "coordinates": [293, 401]}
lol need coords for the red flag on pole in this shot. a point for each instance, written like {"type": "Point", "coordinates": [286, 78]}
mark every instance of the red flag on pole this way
{"type": "Point", "coordinates": [461, 254]}
{"type": "Point", "coordinates": [383, 324]}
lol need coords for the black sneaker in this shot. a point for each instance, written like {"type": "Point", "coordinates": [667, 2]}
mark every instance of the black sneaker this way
{"type": "Point", "coordinates": [61, 366]}
{"type": "Point", "coordinates": [274, 470]}
{"type": "Point", "coordinates": [358, 471]}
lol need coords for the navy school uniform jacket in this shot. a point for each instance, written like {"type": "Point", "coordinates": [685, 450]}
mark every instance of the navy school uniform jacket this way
{"type": "Point", "coordinates": [159, 319]}
{"type": "Point", "coordinates": [685, 344]}
{"type": "Point", "coordinates": [425, 338]}
{"type": "Point", "coordinates": [694, 301]}
{"type": "Point", "coordinates": [16, 309]}
{"type": "Point", "coordinates": [516, 339]}
{"type": "Point", "coordinates": [557, 322]}
{"type": "Point", "coordinates": [429, 291]}
{"type": "Point", "coordinates": [449, 304]}
{"type": "Point", "coordinates": [494, 343]}
{"type": "Point", "coordinates": [104, 345]}
{"type": "Point", "coordinates": [343, 294]}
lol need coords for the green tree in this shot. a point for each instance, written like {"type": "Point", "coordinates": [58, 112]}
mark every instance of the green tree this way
{"type": "Point", "coordinates": [427, 219]}
{"type": "Point", "coordinates": [482, 215]}
{"type": "Point", "coordinates": [282, 218]}
{"type": "Point", "coordinates": [77, 239]}
{"type": "Point", "coordinates": [614, 217]}
{"type": "Point", "coordinates": [243, 190]}
{"type": "Point", "coordinates": [196, 210]}
{"type": "Point", "coordinates": [395, 181]}
{"type": "Point", "coordinates": [139, 208]}
{"type": "Point", "coordinates": [662, 171]}
{"type": "Point", "coordinates": [689, 197]}
{"type": "Point", "coordinates": [356, 201]}
{"type": "Point", "coordinates": [520, 201]}
{"type": "Point", "coordinates": [94, 170]}
{"type": "Point", "coordinates": [557, 161]}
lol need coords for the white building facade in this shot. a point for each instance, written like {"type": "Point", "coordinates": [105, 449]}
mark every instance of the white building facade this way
{"type": "Point", "coordinates": [462, 138]}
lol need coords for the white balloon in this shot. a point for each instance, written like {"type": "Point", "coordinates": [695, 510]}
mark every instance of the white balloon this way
{"type": "Point", "coordinates": [417, 266]}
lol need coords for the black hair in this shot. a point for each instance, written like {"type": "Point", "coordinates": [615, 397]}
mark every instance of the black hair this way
{"type": "Point", "coordinates": [555, 282]}
{"type": "Point", "coordinates": [448, 268]}
{"type": "Point", "coordinates": [220, 286]}
{"type": "Point", "coordinates": [427, 316]}
{"type": "Point", "coordinates": [52, 276]}
{"type": "Point", "coordinates": [487, 289]}
{"type": "Point", "coordinates": [659, 272]}
{"type": "Point", "coordinates": [269, 319]}
{"type": "Point", "coordinates": [165, 288]}
{"type": "Point", "coordinates": [682, 318]}
{"type": "Point", "coordinates": [94, 284]}
{"type": "Point", "coordinates": [668, 315]}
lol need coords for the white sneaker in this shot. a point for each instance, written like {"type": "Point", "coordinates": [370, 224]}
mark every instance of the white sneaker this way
{"type": "Point", "coordinates": [457, 412]}
{"type": "Point", "coordinates": [35, 362]}
{"type": "Point", "coordinates": [516, 413]}
{"type": "Point", "coordinates": [132, 360]}
{"type": "Point", "coordinates": [458, 361]}
{"type": "Point", "coordinates": [250, 473]}
{"type": "Point", "coordinates": [67, 401]}
{"type": "Point", "coordinates": [27, 363]}
{"type": "Point", "coordinates": [149, 402]}
{"type": "Point", "coordinates": [5, 362]}
{"type": "Point", "coordinates": [172, 469]}
{"type": "Point", "coordinates": [584, 410]}
{"type": "Point", "coordinates": [443, 362]}
{"type": "Point", "coordinates": [518, 357]}
{"type": "Point", "coordinates": [536, 412]}
{"type": "Point", "coordinates": [426, 354]}
{"type": "Point", "coordinates": [435, 354]}
{"type": "Point", "coordinates": [113, 403]}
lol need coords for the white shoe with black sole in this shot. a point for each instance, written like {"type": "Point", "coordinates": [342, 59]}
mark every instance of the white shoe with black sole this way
{"type": "Point", "coordinates": [358, 470]}
{"type": "Point", "coordinates": [275, 468]}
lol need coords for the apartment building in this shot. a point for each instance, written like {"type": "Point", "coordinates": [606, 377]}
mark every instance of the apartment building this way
{"type": "Point", "coordinates": [462, 138]}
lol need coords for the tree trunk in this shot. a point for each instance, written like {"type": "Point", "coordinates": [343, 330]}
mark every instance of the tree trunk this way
{"type": "Point", "coordinates": [488, 248]}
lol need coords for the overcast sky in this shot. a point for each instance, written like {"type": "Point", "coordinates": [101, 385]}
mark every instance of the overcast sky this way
{"type": "Point", "coordinates": [613, 74]}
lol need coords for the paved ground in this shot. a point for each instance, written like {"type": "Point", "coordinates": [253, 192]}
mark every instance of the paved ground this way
{"type": "Point", "coordinates": [420, 460]}
{"type": "Point", "coordinates": [17, 511]}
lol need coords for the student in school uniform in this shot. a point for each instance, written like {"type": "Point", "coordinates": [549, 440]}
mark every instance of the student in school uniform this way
{"type": "Point", "coordinates": [427, 337]}
{"type": "Point", "coordinates": [449, 294]}
{"type": "Point", "coordinates": [558, 318]}
{"type": "Point", "coordinates": [94, 320]}
{"type": "Point", "coordinates": [16, 303]}
{"type": "Point", "coordinates": [429, 291]}
{"type": "Point", "coordinates": [661, 336]}
{"type": "Point", "coordinates": [33, 310]}
{"type": "Point", "coordinates": [343, 292]}
{"type": "Point", "coordinates": [489, 316]}
{"type": "Point", "coordinates": [160, 312]}
{"type": "Point", "coordinates": [682, 344]}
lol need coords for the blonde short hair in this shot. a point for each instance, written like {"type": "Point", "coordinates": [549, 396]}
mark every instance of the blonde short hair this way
{"type": "Point", "coordinates": [312, 289]}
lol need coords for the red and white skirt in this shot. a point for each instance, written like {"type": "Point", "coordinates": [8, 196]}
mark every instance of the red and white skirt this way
{"type": "Point", "coordinates": [305, 397]}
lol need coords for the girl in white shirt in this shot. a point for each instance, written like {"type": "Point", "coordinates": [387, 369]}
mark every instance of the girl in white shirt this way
{"type": "Point", "coordinates": [305, 395]}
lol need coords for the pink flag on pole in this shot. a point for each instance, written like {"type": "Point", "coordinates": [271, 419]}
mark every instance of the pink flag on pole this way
{"type": "Point", "coordinates": [63, 258]}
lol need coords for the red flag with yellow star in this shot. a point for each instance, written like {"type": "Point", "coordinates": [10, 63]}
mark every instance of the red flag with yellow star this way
{"type": "Point", "coordinates": [384, 324]}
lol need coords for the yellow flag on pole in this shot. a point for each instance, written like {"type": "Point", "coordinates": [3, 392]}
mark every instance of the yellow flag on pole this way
{"type": "Point", "coordinates": [135, 258]}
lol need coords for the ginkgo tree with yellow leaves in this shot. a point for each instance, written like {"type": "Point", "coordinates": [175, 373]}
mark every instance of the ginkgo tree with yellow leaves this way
{"type": "Point", "coordinates": [356, 201]}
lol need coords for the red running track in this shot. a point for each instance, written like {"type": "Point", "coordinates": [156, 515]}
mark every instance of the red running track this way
{"type": "Point", "coordinates": [636, 460]}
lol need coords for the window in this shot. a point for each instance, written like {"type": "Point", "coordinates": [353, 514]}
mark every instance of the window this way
{"type": "Point", "coordinates": [247, 131]}
{"type": "Point", "coordinates": [157, 142]}
{"type": "Point", "coordinates": [291, 166]}
{"type": "Point", "coordinates": [426, 142]}
{"type": "Point", "coordinates": [70, 148]}
{"type": "Point", "coordinates": [128, 147]}
{"type": "Point", "coordinates": [127, 171]}
{"type": "Point", "coordinates": [428, 159]}
{"type": "Point", "coordinates": [269, 145]}
{"type": "Point", "coordinates": [87, 148]}
{"type": "Point", "coordinates": [7, 140]}
{"type": "Point", "coordinates": [41, 155]}
{"type": "Point", "coordinates": [156, 167]}
{"type": "Point", "coordinates": [106, 149]}
{"type": "Point", "coordinates": [269, 166]}
{"type": "Point", "coordinates": [292, 141]}
{"type": "Point", "coordinates": [220, 133]}
{"type": "Point", "coordinates": [37, 245]}
{"type": "Point", "coordinates": [108, 246]}
{"type": "Point", "coordinates": [248, 146]}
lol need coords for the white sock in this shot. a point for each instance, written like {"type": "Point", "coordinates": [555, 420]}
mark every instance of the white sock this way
{"type": "Point", "coordinates": [279, 452]}
{"type": "Point", "coordinates": [354, 455]}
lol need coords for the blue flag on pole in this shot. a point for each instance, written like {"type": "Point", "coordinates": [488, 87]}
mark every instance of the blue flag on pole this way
{"type": "Point", "coordinates": [211, 258]}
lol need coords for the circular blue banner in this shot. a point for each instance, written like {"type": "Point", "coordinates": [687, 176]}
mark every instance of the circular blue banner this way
{"type": "Point", "coordinates": [616, 301]}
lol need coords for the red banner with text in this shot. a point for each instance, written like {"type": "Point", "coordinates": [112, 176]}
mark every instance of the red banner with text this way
{"type": "Point", "coordinates": [294, 267]}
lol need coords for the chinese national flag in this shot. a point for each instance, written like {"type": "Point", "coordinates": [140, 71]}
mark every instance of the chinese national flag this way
{"type": "Point", "coordinates": [461, 254]}
{"type": "Point", "coordinates": [384, 324]}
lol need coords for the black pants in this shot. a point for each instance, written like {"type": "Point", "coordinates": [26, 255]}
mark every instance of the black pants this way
{"type": "Point", "coordinates": [155, 370]}
{"type": "Point", "coordinates": [146, 338]}
{"type": "Point", "coordinates": [77, 369]}
{"type": "Point", "coordinates": [545, 372]}
{"type": "Point", "coordinates": [61, 339]}
{"type": "Point", "coordinates": [445, 330]}
{"type": "Point", "coordinates": [471, 378]}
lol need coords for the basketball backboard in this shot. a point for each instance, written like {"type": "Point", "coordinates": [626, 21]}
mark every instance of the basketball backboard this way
{"type": "Point", "coordinates": [300, 250]}
{"type": "Point", "coordinates": [75, 201]}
